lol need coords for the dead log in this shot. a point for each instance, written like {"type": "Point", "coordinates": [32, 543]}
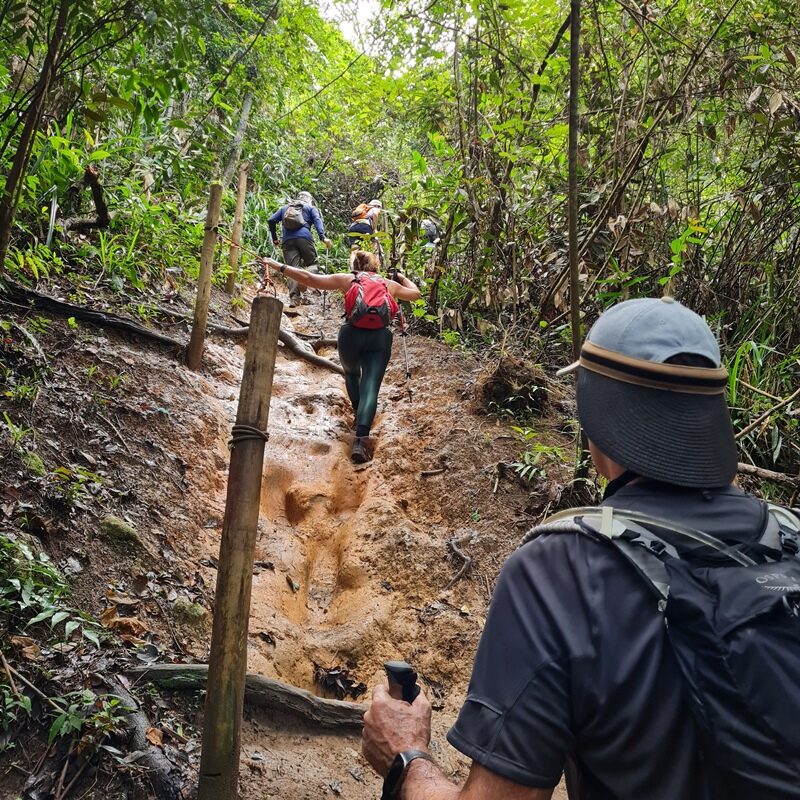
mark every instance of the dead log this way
{"type": "Point", "coordinates": [16, 293]}
{"type": "Point", "coordinates": [263, 692]}
{"type": "Point", "coordinates": [769, 475]}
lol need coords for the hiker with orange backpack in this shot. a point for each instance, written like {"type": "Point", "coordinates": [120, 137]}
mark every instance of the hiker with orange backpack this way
{"type": "Point", "coordinates": [364, 225]}
{"type": "Point", "coordinates": [365, 339]}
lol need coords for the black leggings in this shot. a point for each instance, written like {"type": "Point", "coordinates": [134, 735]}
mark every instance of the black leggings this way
{"type": "Point", "coordinates": [364, 355]}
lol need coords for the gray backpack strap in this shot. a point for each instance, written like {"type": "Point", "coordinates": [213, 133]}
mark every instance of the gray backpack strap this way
{"type": "Point", "coordinates": [635, 535]}
{"type": "Point", "coordinates": [784, 528]}
{"type": "Point", "coordinates": [638, 545]}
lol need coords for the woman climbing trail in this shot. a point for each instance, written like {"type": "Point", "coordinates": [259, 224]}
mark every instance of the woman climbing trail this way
{"type": "Point", "coordinates": [365, 339]}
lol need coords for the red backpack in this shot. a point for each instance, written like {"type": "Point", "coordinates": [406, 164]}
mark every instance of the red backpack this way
{"type": "Point", "coordinates": [367, 303]}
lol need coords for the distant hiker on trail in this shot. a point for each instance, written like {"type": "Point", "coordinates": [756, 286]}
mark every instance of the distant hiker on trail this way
{"type": "Point", "coordinates": [365, 339]}
{"type": "Point", "coordinates": [430, 231]}
{"type": "Point", "coordinates": [648, 647]}
{"type": "Point", "coordinates": [297, 242]}
{"type": "Point", "coordinates": [364, 225]}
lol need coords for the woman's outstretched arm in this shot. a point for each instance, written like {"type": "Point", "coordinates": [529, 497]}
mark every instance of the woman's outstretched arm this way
{"type": "Point", "coordinates": [339, 280]}
{"type": "Point", "coordinates": [403, 289]}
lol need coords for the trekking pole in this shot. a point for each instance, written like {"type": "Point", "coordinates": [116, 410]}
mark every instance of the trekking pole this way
{"type": "Point", "coordinates": [402, 686]}
{"type": "Point", "coordinates": [403, 336]}
{"type": "Point", "coordinates": [402, 681]}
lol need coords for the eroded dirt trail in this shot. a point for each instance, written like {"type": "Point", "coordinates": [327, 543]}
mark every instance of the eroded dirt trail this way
{"type": "Point", "coordinates": [352, 564]}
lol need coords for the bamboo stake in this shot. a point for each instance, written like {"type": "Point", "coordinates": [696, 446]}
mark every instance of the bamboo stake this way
{"type": "Point", "coordinates": [572, 206]}
{"type": "Point", "coordinates": [238, 224]}
{"type": "Point", "coordinates": [194, 351]}
{"type": "Point", "coordinates": [219, 762]}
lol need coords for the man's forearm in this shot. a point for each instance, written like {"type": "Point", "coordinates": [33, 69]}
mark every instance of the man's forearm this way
{"type": "Point", "coordinates": [426, 781]}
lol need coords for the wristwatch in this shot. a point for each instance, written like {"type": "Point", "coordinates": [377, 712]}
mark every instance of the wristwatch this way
{"type": "Point", "coordinates": [282, 268]}
{"type": "Point", "coordinates": [394, 778]}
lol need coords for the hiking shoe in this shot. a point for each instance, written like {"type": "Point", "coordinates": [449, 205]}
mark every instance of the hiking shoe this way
{"type": "Point", "coordinates": [359, 454]}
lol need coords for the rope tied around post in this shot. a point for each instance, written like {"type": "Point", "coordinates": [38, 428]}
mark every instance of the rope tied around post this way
{"type": "Point", "coordinates": [243, 433]}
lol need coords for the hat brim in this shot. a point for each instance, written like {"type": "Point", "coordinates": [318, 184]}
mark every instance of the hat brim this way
{"type": "Point", "coordinates": [683, 439]}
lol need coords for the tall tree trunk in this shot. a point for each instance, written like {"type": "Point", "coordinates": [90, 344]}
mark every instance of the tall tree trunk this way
{"type": "Point", "coordinates": [238, 139]}
{"type": "Point", "coordinates": [572, 200]}
{"type": "Point", "coordinates": [33, 116]}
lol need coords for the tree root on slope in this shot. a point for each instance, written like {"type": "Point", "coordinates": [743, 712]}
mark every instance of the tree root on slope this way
{"type": "Point", "coordinates": [17, 294]}
{"type": "Point", "coordinates": [163, 775]}
{"type": "Point", "coordinates": [106, 319]}
{"type": "Point", "coordinates": [289, 340]}
{"type": "Point", "coordinates": [261, 691]}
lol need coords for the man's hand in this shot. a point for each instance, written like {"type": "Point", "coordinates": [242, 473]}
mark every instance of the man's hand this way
{"type": "Point", "coordinates": [328, 243]}
{"type": "Point", "coordinates": [392, 726]}
{"type": "Point", "coordinates": [276, 242]}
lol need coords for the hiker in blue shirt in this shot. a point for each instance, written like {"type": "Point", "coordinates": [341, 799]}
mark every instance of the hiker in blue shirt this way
{"type": "Point", "coordinates": [296, 219]}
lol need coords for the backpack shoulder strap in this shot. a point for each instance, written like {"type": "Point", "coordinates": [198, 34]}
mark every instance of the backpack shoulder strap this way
{"type": "Point", "coordinates": [786, 523]}
{"type": "Point", "coordinates": [643, 552]}
{"type": "Point", "coordinates": [636, 536]}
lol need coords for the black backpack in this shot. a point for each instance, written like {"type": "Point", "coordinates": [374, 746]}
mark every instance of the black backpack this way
{"type": "Point", "coordinates": [293, 218]}
{"type": "Point", "coordinates": [733, 620]}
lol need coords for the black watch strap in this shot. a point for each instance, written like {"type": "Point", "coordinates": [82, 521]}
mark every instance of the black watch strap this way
{"type": "Point", "coordinates": [282, 268]}
{"type": "Point", "coordinates": [394, 778]}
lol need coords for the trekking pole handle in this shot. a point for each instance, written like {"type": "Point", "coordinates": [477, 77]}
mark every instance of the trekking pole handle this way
{"type": "Point", "coordinates": [402, 681]}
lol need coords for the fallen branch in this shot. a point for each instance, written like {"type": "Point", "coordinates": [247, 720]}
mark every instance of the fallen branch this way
{"type": "Point", "coordinates": [767, 414]}
{"type": "Point", "coordinates": [116, 431]}
{"type": "Point", "coordinates": [426, 473]}
{"type": "Point", "coordinates": [769, 475]}
{"type": "Point", "coordinates": [261, 691]}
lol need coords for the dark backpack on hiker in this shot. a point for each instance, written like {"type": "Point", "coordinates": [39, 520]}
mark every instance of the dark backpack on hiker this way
{"type": "Point", "coordinates": [734, 626]}
{"type": "Point", "coordinates": [367, 303]}
{"type": "Point", "coordinates": [293, 218]}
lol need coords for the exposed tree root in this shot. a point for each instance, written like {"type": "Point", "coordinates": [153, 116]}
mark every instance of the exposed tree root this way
{"type": "Point", "coordinates": [289, 340]}
{"type": "Point", "coordinates": [263, 692]}
{"type": "Point", "coordinates": [19, 294]}
{"type": "Point", "coordinates": [164, 776]}
{"type": "Point", "coordinates": [15, 293]}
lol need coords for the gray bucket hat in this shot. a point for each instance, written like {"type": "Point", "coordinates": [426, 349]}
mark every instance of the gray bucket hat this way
{"type": "Point", "coordinates": [664, 421]}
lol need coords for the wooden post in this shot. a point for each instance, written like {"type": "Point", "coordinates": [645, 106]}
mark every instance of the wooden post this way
{"type": "Point", "coordinates": [219, 761]}
{"type": "Point", "coordinates": [194, 351]}
{"type": "Point", "coordinates": [238, 224]}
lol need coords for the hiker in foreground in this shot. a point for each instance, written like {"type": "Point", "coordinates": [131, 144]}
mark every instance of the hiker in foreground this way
{"type": "Point", "coordinates": [646, 660]}
{"type": "Point", "coordinates": [297, 242]}
{"type": "Point", "coordinates": [365, 339]}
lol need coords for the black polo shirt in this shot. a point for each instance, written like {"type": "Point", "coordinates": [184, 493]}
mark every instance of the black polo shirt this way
{"type": "Point", "coordinates": [574, 662]}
